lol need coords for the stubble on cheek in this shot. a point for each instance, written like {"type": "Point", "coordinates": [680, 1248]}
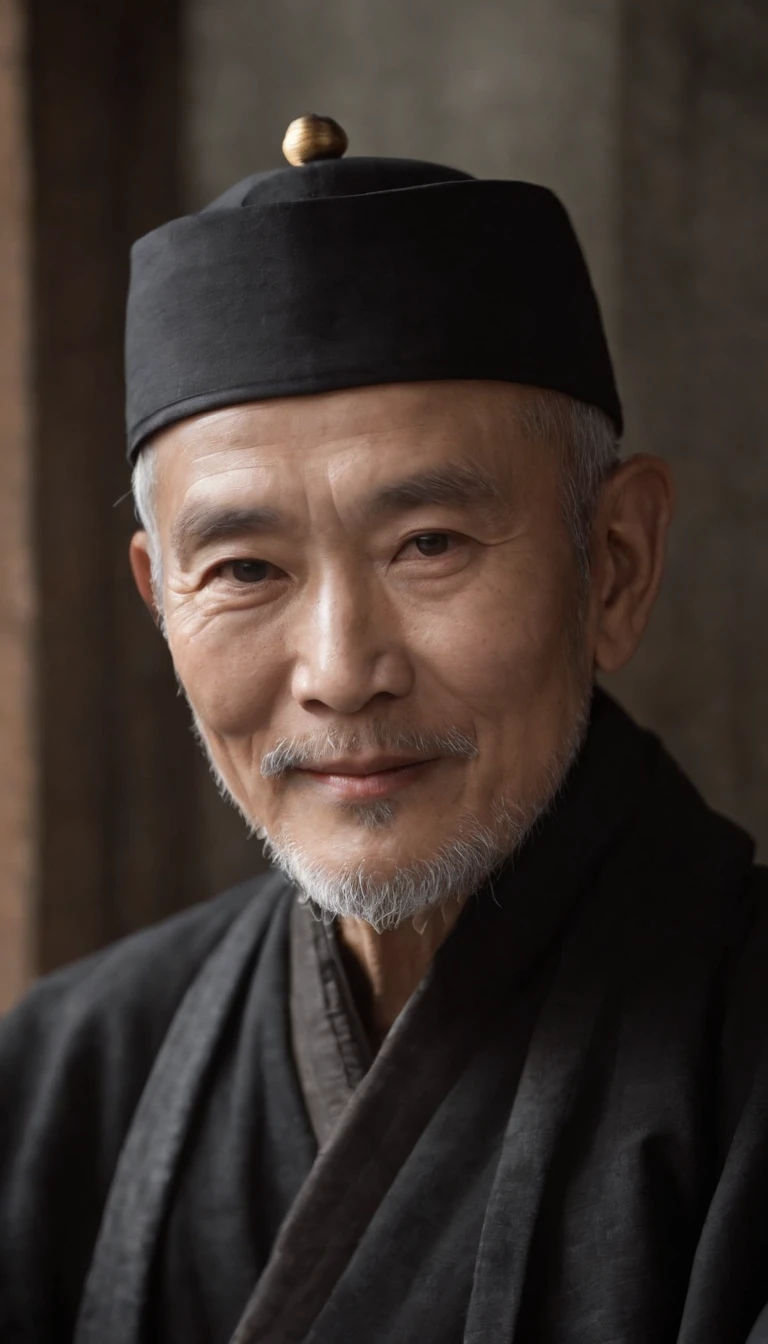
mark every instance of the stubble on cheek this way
{"type": "Point", "coordinates": [535, 690]}
{"type": "Point", "coordinates": [230, 693]}
{"type": "Point", "coordinates": [234, 765]}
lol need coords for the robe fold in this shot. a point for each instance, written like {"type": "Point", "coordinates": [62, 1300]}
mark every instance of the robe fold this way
{"type": "Point", "coordinates": [562, 1140]}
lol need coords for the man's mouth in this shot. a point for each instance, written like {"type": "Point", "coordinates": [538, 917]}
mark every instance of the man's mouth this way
{"type": "Point", "coordinates": [358, 780]}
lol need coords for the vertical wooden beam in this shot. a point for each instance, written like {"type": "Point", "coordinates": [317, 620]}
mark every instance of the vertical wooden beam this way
{"type": "Point", "coordinates": [118, 767]}
{"type": "Point", "coordinates": [17, 744]}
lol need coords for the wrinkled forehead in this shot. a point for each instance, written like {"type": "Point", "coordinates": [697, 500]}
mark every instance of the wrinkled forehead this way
{"type": "Point", "coordinates": [364, 433]}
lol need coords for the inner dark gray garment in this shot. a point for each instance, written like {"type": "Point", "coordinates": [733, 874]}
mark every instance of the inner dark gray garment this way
{"type": "Point", "coordinates": [330, 1043]}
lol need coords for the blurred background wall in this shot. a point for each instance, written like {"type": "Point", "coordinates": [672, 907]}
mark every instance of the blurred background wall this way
{"type": "Point", "coordinates": [649, 117]}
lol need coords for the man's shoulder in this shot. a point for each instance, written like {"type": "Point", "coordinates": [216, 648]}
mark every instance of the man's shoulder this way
{"type": "Point", "coordinates": [75, 1055]}
{"type": "Point", "coordinates": [108, 1013]}
{"type": "Point", "coordinates": [182, 940]}
{"type": "Point", "coordinates": [150, 969]}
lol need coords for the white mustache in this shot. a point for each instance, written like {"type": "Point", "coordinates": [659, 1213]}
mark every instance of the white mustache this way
{"type": "Point", "coordinates": [308, 751]}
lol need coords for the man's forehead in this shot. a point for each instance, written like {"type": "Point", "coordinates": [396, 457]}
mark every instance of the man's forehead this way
{"type": "Point", "coordinates": [388, 414]}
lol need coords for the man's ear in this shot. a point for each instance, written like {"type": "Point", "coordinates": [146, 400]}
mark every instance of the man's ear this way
{"type": "Point", "coordinates": [141, 566]}
{"type": "Point", "coordinates": [628, 550]}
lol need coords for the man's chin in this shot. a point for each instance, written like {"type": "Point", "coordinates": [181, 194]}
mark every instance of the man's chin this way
{"type": "Point", "coordinates": [385, 880]}
{"type": "Point", "coordinates": [375, 848]}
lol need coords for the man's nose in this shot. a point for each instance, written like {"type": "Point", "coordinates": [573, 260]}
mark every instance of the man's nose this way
{"type": "Point", "coordinates": [349, 647]}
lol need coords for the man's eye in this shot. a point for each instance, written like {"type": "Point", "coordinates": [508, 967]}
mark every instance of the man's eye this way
{"type": "Point", "coordinates": [431, 544]}
{"type": "Point", "coordinates": [248, 571]}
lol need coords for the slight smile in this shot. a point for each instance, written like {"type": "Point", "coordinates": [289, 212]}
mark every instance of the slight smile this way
{"type": "Point", "coordinates": [357, 781]}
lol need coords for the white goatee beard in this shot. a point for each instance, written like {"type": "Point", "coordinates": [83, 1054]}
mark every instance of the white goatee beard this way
{"type": "Point", "coordinates": [413, 890]}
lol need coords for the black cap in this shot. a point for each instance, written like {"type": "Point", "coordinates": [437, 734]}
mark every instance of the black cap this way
{"type": "Point", "coordinates": [347, 272]}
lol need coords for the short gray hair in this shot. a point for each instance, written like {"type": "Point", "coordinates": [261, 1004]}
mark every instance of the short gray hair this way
{"type": "Point", "coordinates": [588, 446]}
{"type": "Point", "coordinates": [583, 435]}
{"type": "Point", "coordinates": [143, 481]}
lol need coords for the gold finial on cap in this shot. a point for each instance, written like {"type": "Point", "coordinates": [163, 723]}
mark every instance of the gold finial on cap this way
{"type": "Point", "coordinates": [312, 137]}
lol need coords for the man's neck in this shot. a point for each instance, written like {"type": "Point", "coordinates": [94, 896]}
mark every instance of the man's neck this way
{"type": "Point", "coordinates": [394, 962]}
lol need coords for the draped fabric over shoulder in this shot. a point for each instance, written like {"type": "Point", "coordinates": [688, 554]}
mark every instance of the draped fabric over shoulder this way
{"type": "Point", "coordinates": [563, 1139]}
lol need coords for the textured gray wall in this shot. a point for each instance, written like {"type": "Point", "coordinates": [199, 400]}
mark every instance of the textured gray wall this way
{"type": "Point", "coordinates": [693, 322]}
{"type": "Point", "coordinates": [650, 118]}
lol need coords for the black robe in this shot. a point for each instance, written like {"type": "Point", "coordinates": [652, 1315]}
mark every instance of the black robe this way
{"type": "Point", "coordinates": [563, 1140]}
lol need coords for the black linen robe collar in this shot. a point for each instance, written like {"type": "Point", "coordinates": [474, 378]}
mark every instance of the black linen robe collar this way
{"type": "Point", "coordinates": [543, 1150]}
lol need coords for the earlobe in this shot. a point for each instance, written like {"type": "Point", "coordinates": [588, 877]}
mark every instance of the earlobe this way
{"type": "Point", "coordinates": [141, 567]}
{"type": "Point", "coordinates": [634, 516]}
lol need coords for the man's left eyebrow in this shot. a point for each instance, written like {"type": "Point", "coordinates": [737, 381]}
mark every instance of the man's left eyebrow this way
{"type": "Point", "coordinates": [462, 485]}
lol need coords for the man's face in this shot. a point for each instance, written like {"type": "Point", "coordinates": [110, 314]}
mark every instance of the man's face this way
{"type": "Point", "coordinates": [381, 582]}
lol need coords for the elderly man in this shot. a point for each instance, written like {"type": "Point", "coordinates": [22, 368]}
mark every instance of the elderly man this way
{"type": "Point", "coordinates": [483, 1059]}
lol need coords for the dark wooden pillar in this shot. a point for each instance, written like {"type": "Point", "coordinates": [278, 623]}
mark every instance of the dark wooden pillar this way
{"type": "Point", "coordinates": [18, 779]}
{"type": "Point", "coordinates": [116, 824]}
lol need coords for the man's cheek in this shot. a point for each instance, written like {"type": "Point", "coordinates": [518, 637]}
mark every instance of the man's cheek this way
{"type": "Point", "coordinates": [229, 692]}
{"type": "Point", "coordinates": [488, 664]}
